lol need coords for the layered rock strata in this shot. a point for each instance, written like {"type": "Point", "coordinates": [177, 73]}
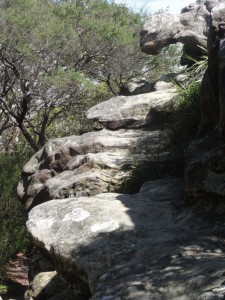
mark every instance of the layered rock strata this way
{"type": "Point", "coordinates": [88, 165]}
{"type": "Point", "coordinates": [147, 245]}
{"type": "Point", "coordinates": [94, 162]}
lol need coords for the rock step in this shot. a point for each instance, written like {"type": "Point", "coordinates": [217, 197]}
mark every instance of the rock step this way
{"type": "Point", "coordinates": [86, 165]}
{"type": "Point", "coordinates": [147, 110]}
{"type": "Point", "coordinates": [114, 246]}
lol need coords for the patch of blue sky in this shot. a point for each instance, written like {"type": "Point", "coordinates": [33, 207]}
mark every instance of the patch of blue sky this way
{"type": "Point", "coordinates": [173, 6]}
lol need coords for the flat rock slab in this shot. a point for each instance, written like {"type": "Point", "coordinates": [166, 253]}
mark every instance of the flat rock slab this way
{"type": "Point", "coordinates": [146, 110]}
{"type": "Point", "coordinates": [144, 246]}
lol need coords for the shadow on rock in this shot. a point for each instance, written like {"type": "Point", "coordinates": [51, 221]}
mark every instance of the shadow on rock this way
{"type": "Point", "coordinates": [132, 246]}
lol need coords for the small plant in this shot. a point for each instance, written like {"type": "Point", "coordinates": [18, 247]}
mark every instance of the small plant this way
{"type": "Point", "coordinates": [3, 289]}
{"type": "Point", "coordinates": [137, 174]}
{"type": "Point", "coordinates": [199, 67]}
{"type": "Point", "coordinates": [186, 121]}
{"type": "Point", "coordinates": [187, 115]}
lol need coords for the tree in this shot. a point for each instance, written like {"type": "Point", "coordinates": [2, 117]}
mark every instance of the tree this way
{"type": "Point", "coordinates": [59, 57]}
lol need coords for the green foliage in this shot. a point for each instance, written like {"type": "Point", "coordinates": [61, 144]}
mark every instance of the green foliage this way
{"type": "Point", "coordinates": [168, 61]}
{"type": "Point", "coordinates": [62, 78]}
{"type": "Point", "coordinates": [68, 52]}
{"type": "Point", "coordinates": [13, 236]}
{"type": "Point", "coordinates": [185, 124]}
{"type": "Point", "coordinates": [3, 289]}
{"type": "Point", "coordinates": [198, 67]}
{"type": "Point", "coordinates": [187, 116]}
{"type": "Point", "coordinates": [139, 173]}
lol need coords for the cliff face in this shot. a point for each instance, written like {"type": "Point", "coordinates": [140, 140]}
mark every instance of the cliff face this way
{"type": "Point", "coordinates": [106, 245]}
{"type": "Point", "coordinates": [200, 25]}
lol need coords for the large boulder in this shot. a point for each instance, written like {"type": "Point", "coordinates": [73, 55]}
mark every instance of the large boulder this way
{"type": "Point", "coordinates": [145, 246]}
{"type": "Point", "coordinates": [191, 28]}
{"type": "Point", "coordinates": [148, 110]}
{"type": "Point", "coordinates": [89, 164]}
{"type": "Point", "coordinates": [200, 25]}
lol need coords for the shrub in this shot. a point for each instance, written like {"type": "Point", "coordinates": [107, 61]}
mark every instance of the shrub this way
{"type": "Point", "coordinates": [13, 236]}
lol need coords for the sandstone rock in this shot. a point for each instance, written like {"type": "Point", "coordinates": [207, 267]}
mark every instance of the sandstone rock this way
{"type": "Point", "coordinates": [86, 165]}
{"type": "Point", "coordinates": [47, 285]}
{"type": "Point", "coordinates": [205, 175]}
{"type": "Point", "coordinates": [190, 28]}
{"type": "Point", "coordinates": [165, 82]}
{"type": "Point", "coordinates": [39, 263]}
{"type": "Point", "coordinates": [136, 87]}
{"type": "Point", "coordinates": [145, 246]}
{"type": "Point", "coordinates": [169, 81]}
{"type": "Point", "coordinates": [151, 109]}
{"type": "Point", "coordinates": [199, 25]}
{"type": "Point", "coordinates": [211, 296]}
{"type": "Point", "coordinates": [217, 13]}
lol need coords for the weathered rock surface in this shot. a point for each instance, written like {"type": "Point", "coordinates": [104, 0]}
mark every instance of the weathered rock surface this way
{"type": "Point", "coordinates": [217, 12]}
{"type": "Point", "coordinates": [149, 245]}
{"type": "Point", "coordinates": [147, 110]}
{"type": "Point", "coordinates": [205, 175]}
{"type": "Point", "coordinates": [198, 25]}
{"type": "Point", "coordinates": [86, 165]}
{"type": "Point", "coordinates": [164, 83]}
{"type": "Point", "coordinates": [171, 80]}
{"type": "Point", "coordinates": [190, 28]}
{"type": "Point", "coordinates": [48, 285]}
{"type": "Point", "coordinates": [145, 246]}
{"type": "Point", "coordinates": [136, 87]}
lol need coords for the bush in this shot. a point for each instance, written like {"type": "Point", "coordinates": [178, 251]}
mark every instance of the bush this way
{"type": "Point", "coordinates": [187, 112]}
{"type": "Point", "coordinates": [13, 238]}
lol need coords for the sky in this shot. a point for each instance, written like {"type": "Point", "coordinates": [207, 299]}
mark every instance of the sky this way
{"type": "Point", "coordinates": [175, 6]}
